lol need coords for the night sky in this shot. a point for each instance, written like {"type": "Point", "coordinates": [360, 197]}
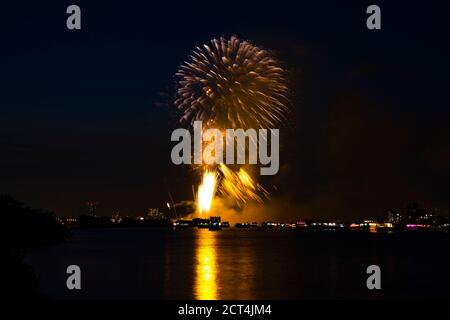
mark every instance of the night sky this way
{"type": "Point", "coordinates": [87, 115]}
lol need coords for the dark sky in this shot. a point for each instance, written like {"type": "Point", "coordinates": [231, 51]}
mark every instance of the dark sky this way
{"type": "Point", "coordinates": [87, 115]}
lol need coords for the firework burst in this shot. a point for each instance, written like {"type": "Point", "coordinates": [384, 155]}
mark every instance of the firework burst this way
{"type": "Point", "coordinates": [232, 83]}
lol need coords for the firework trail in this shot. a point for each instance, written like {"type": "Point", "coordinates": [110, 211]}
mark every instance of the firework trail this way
{"type": "Point", "coordinates": [206, 191]}
{"type": "Point", "coordinates": [231, 83]}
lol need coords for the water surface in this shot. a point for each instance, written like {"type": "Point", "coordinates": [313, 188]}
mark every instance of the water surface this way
{"type": "Point", "coordinates": [244, 264]}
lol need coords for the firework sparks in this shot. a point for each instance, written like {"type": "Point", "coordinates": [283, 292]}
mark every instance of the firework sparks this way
{"type": "Point", "coordinates": [240, 186]}
{"type": "Point", "coordinates": [232, 83]}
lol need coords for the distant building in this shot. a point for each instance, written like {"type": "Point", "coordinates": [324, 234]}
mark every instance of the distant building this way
{"type": "Point", "coordinates": [155, 214]}
{"type": "Point", "coordinates": [92, 208]}
{"type": "Point", "coordinates": [116, 217]}
{"type": "Point", "coordinates": [412, 214]}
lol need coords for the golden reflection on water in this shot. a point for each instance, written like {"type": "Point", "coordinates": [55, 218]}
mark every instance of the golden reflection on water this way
{"type": "Point", "coordinates": [224, 266]}
{"type": "Point", "coordinates": [206, 268]}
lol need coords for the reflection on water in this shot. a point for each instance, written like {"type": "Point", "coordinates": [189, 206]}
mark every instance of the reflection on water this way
{"type": "Point", "coordinates": [206, 268]}
{"type": "Point", "coordinates": [224, 266]}
{"type": "Point", "coordinates": [244, 264]}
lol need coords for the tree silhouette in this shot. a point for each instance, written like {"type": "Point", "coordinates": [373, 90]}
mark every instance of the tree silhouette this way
{"type": "Point", "coordinates": [22, 228]}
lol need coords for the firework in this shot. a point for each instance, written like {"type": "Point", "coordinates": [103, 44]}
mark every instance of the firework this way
{"type": "Point", "coordinates": [229, 184]}
{"type": "Point", "coordinates": [232, 84]}
{"type": "Point", "coordinates": [240, 186]}
{"type": "Point", "coordinates": [206, 191]}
